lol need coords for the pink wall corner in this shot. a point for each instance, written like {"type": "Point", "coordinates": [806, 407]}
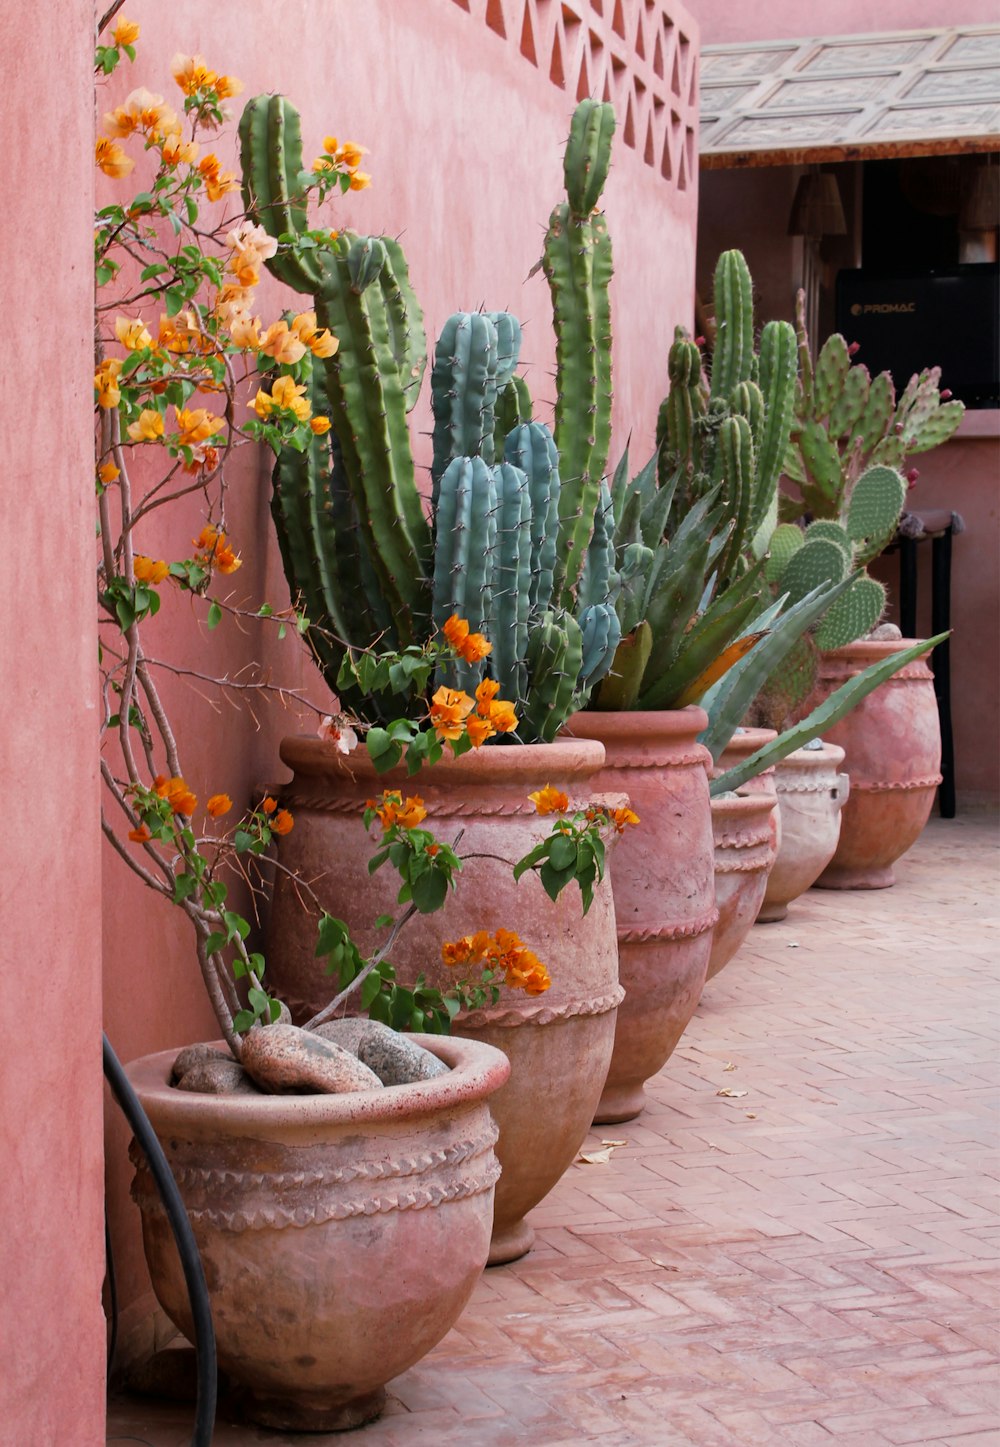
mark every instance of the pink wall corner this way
{"type": "Point", "coordinates": [465, 137]}
{"type": "Point", "coordinates": [52, 1329]}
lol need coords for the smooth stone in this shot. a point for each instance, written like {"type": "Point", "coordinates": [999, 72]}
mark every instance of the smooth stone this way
{"type": "Point", "coordinates": [283, 1058]}
{"type": "Point", "coordinates": [394, 1057]}
{"type": "Point", "coordinates": [885, 632]}
{"type": "Point", "coordinates": [217, 1077]}
{"type": "Point", "coordinates": [193, 1055]}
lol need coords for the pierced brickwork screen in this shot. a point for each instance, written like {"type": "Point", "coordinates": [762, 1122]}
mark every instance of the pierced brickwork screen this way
{"type": "Point", "coordinates": [638, 54]}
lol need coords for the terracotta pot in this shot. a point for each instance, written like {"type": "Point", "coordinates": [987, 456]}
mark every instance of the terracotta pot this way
{"type": "Point", "coordinates": [744, 854]}
{"type": "Point", "coordinates": [664, 888]}
{"type": "Point", "coordinates": [811, 794]}
{"type": "Point", "coordinates": [559, 1043]}
{"type": "Point", "coordinates": [341, 1235]}
{"type": "Point", "coordinates": [742, 744]}
{"type": "Point", "coordinates": [892, 747]}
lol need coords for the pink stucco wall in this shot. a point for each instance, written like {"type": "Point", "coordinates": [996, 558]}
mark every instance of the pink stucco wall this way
{"type": "Point", "coordinates": [724, 23]}
{"type": "Point", "coordinates": [52, 1335]}
{"type": "Point", "coordinates": [466, 136]}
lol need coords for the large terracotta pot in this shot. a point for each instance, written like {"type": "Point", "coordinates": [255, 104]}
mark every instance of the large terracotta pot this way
{"type": "Point", "coordinates": [559, 1043]}
{"type": "Point", "coordinates": [743, 743]}
{"type": "Point", "coordinates": [341, 1235]}
{"type": "Point", "coordinates": [892, 747]}
{"type": "Point", "coordinates": [744, 854]}
{"type": "Point", "coordinates": [664, 888]}
{"type": "Point", "coordinates": [811, 794]}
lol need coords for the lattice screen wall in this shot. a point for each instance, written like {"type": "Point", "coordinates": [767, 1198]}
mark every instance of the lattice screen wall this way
{"type": "Point", "coordinates": [633, 53]}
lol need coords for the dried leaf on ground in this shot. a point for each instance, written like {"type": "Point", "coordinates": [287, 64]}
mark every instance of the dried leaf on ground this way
{"type": "Point", "coordinates": [596, 1158]}
{"type": "Point", "coordinates": [731, 1094]}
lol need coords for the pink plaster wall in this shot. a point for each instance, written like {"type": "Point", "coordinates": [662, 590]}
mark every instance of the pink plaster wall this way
{"type": "Point", "coordinates": [724, 23]}
{"type": "Point", "coordinates": [52, 1335]}
{"type": "Point", "coordinates": [466, 138]}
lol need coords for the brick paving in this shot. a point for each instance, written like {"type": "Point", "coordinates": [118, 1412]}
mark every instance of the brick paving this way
{"type": "Point", "coordinates": [812, 1262]}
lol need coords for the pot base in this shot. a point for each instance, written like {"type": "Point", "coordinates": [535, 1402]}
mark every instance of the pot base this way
{"type": "Point", "coordinates": [510, 1243]}
{"type": "Point", "coordinates": [771, 913]}
{"type": "Point", "coordinates": [834, 878]}
{"type": "Point", "coordinates": [309, 1414]}
{"type": "Point", "coordinates": [620, 1103]}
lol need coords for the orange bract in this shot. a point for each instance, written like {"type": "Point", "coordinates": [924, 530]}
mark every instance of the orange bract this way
{"type": "Point", "coordinates": [282, 823]}
{"type": "Point", "coordinates": [549, 800]}
{"type": "Point", "coordinates": [449, 710]}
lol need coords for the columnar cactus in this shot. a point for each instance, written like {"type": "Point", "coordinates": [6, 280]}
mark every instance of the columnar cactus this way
{"type": "Point", "coordinates": [354, 537]}
{"type": "Point", "coordinates": [577, 263]}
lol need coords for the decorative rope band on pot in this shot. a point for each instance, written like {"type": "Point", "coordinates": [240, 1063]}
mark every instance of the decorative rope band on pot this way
{"type": "Point", "coordinates": [541, 1014]}
{"type": "Point", "coordinates": [689, 931]}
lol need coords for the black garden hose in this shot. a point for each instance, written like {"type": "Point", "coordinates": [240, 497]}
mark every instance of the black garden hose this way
{"type": "Point", "coordinates": [194, 1276]}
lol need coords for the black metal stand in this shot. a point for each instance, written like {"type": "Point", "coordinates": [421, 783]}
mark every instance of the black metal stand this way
{"type": "Point", "coordinates": [940, 537]}
{"type": "Point", "coordinates": [194, 1276]}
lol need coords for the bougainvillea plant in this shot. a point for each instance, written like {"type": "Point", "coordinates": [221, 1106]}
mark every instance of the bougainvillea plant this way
{"type": "Point", "coordinates": [186, 371]}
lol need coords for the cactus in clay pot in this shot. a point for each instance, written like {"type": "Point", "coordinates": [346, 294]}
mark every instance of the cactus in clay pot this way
{"type": "Point", "coordinates": [355, 540]}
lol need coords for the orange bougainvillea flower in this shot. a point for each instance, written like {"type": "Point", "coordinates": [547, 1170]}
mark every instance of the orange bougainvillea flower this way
{"type": "Point", "coordinates": [148, 571]}
{"type": "Point", "coordinates": [177, 794]}
{"type": "Point", "coordinates": [217, 181]}
{"type": "Point", "coordinates": [191, 73]}
{"type": "Point", "coordinates": [126, 32]}
{"type": "Point", "coordinates": [245, 331]}
{"type": "Point", "coordinates": [320, 425]}
{"type": "Point", "coordinates": [479, 730]}
{"type": "Point", "coordinates": [286, 396]}
{"type": "Point", "coordinates": [148, 428]}
{"type": "Point", "coordinates": [485, 694]}
{"type": "Point", "coordinates": [282, 344]}
{"type": "Point", "coordinates": [392, 808]}
{"type": "Point", "coordinates": [549, 800]}
{"type": "Point", "coordinates": [360, 180]}
{"type": "Point", "coordinates": [449, 710]}
{"type": "Point", "coordinates": [215, 552]}
{"type": "Point", "coordinates": [112, 159]}
{"type": "Point", "coordinates": [350, 153]}
{"type": "Point", "coordinates": [469, 950]}
{"type": "Point", "coordinates": [282, 823]}
{"type": "Point", "coordinates": [140, 835]}
{"type": "Point", "coordinates": [504, 954]}
{"type": "Point", "coordinates": [227, 86]}
{"type": "Point", "coordinates": [132, 334]}
{"type": "Point", "coordinates": [106, 383]}
{"type": "Point", "coordinates": [320, 343]}
{"type": "Point", "coordinates": [502, 716]}
{"type": "Point", "coordinates": [143, 111]}
{"type": "Point", "coordinates": [471, 646]}
{"type": "Point", "coordinates": [456, 631]}
{"type": "Point", "coordinates": [621, 818]}
{"type": "Point", "coordinates": [268, 805]}
{"type": "Point", "coordinates": [196, 424]}
{"type": "Point", "coordinates": [108, 472]}
{"type": "Point", "coordinates": [176, 150]}
{"type": "Point", "coordinates": [218, 805]}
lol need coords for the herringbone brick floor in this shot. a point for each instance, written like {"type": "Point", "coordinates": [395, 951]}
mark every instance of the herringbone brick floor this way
{"type": "Point", "coordinates": [809, 1262]}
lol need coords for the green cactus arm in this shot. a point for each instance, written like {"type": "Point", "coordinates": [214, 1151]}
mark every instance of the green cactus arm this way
{"type": "Point", "coordinates": [738, 688]}
{"type": "Point", "coordinates": [849, 407]}
{"type": "Point", "coordinates": [463, 392]}
{"type": "Point", "coordinates": [464, 556]}
{"type": "Point", "coordinates": [829, 376]}
{"type": "Point", "coordinates": [530, 447]}
{"type": "Point", "coordinates": [508, 346]}
{"type": "Point", "coordinates": [834, 533]}
{"type": "Point", "coordinates": [368, 411]}
{"type": "Point", "coordinates": [777, 381]}
{"type": "Point", "coordinates": [828, 713]}
{"type": "Point", "coordinates": [633, 570]}
{"type": "Point", "coordinates": [936, 428]}
{"type": "Point", "coordinates": [874, 509]}
{"type": "Point", "coordinates": [619, 689]}
{"type": "Point", "coordinates": [554, 659]}
{"type": "Point", "coordinates": [602, 633]}
{"type": "Point", "coordinates": [597, 580]}
{"type": "Point", "coordinates": [733, 298]}
{"type": "Point", "coordinates": [588, 154]}
{"type": "Point", "coordinates": [512, 579]}
{"type": "Point", "coordinates": [804, 394]}
{"type": "Point", "coordinates": [876, 419]}
{"type": "Point", "coordinates": [822, 490]}
{"type": "Point", "coordinates": [748, 401]}
{"type": "Point", "coordinates": [820, 561]}
{"type": "Point", "coordinates": [270, 137]}
{"type": "Point", "coordinates": [853, 615]}
{"type": "Point", "coordinates": [736, 456]}
{"type": "Point", "coordinates": [407, 338]}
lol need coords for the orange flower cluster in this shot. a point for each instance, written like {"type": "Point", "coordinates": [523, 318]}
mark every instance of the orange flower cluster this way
{"type": "Point", "coordinates": [392, 808]}
{"type": "Point", "coordinates": [176, 792]}
{"type": "Point", "coordinates": [451, 713]}
{"type": "Point", "coordinates": [146, 570]}
{"type": "Point", "coordinates": [106, 383]}
{"type": "Point", "coordinates": [285, 396]}
{"type": "Point", "coordinates": [218, 805]}
{"type": "Point", "coordinates": [621, 818]}
{"type": "Point", "coordinates": [214, 551]}
{"type": "Point", "coordinates": [217, 181]}
{"type": "Point", "coordinates": [502, 953]}
{"type": "Point", "coordinates": [345, 157]}
{"type": "Point", "coordinates": [549, 800]}
{"type": "Point", "coordinates": [473, 647]}
{"type": "Point", "coordinates": [192, 74]}
{"type": "Point", "coordinates": [279, 820]}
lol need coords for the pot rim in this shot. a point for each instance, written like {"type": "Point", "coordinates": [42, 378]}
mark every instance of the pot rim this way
{"type": "Point", "coordinates": [564, 757]}
{"type": "Point", "coordinates": [597, 724]}
{"type": "Point", "coordinates": [751, 803]}
{"type": "Point", "coordinates": [477, 1070]}
{"type": "Point", "coordinates": [872, 649]}
{"type": "Point", "coordinates": [830, 754]}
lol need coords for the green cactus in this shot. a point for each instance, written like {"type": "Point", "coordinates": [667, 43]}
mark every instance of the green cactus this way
{"type": "Point", "coordinates": [577, 264]}
{"type": "Point", "coordinates": [785, 540]}
{"type": "Point", "coordinates": [853, 615]}
{"type": "Point", "coordinates": [464, 382]}
{"type": "Point", "coordinates": [874, 509]}
{"type": "Point", "coordinates": [845, 421]}
{"type": "Point", "coordinates": [554, 663]}
{"type": "Point", "coordinates": [732, 357]}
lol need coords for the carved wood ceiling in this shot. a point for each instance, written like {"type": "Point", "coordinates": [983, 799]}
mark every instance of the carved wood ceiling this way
{"type": "Point", "coordinates": [851, 97]}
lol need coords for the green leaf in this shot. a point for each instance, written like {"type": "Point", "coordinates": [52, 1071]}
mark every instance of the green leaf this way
{"type": "Point", "coordinates": [243, 1020]}
{"type": "Point", "coordinates": [383, 921]}
{"type": "Point", "coordinates": [214, 616]}
{"type": "Point", "coordinates": [243, 841]}
{"type": "Point", "coordinates": [370, 987]}
{"type": "Point", "coordinates": [554, 881]}
{"type": "Point", "coordinates": [563, 852]}
{"type": "Point", "coordinates": [184, 886]}
{"type": "Point", "coordinates": [430, 891]}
